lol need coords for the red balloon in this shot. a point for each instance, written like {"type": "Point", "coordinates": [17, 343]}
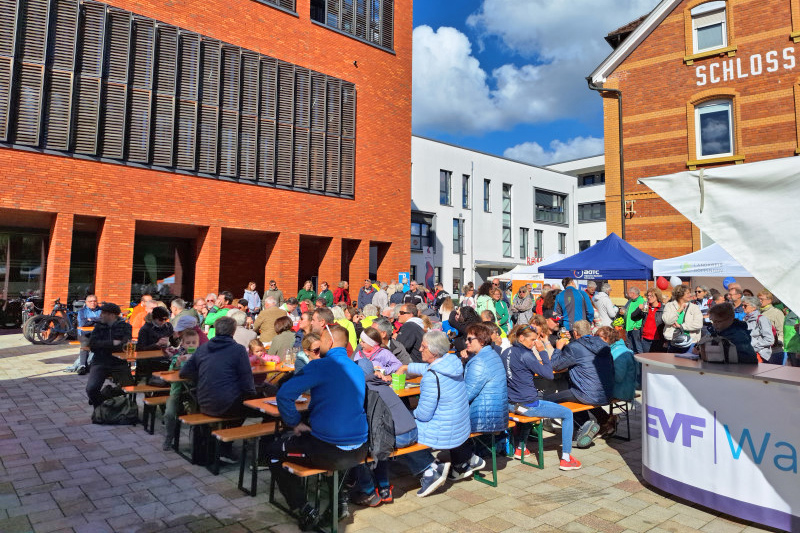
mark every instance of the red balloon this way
{"type": "Point", "coordinates": [662, 283]}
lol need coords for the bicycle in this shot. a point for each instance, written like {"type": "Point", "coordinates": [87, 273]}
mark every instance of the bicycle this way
{"type": "Point", "coordinates": [31, 316]}
{"type": "Point", "coordinates": [60, 324]}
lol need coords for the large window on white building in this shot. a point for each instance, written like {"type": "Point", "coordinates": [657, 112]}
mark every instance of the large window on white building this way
{"type": "Point", "coordinates": [465, 191]}
{"type": "Point", "coordinates": [709, 26]}
{"type": "Point", "coordinates": [562, 243]}
{"type": "Point", "coordinates": [444, 187]}
{"type": "Point", "coordinates": [592, 212]}
{"type": "Point", "coordinates": [550, 207]}
{"type": "Point", "coordinates": [523, 243]}
{"type": "Point", "coordinates": [507, 220]}
{"type": "Point", "coordinates": [487, 184]}
{"type": "Point", "coordinates": [421, 231]}
{"type": "Point", "coordinates": [458, 236]}
{"type": "Point", "coordinates": [714, 128]}
{"type": "Point", "coordinates": [538, 237]}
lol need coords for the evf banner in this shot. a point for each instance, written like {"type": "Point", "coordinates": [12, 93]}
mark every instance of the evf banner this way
{"type": "Point", "coordinates": [727, 442]}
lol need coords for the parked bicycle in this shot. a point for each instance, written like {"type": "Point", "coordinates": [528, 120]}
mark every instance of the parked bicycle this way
{"type": "Point", "coordinates": [59, 325]}
{"type": "Point", "coordinates": [31, 316]}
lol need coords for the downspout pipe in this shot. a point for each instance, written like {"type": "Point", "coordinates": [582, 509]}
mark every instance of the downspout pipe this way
{"type": "Point", "coordinates": [594, 87]}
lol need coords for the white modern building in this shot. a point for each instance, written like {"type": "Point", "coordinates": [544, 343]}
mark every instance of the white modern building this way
{"type": "Point", "coordinates": [590, 197]}
{"type": "Point", "coordinates": [489, 214]}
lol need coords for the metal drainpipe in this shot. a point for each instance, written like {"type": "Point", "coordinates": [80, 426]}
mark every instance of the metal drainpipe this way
{"type": "Point", "coordinates": [594, 87]}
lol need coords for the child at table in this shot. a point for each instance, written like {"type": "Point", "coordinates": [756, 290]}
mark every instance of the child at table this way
{"type": "Point", "coordinates": [190, 340]}
{"type": "Point", "coordinates": [258, 354]}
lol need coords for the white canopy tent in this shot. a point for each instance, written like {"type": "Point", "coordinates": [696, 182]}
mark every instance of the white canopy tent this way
{"type": "Point", "coordinates": [750, 210]}
{"type": "Point", "coordinates": [707, 267]}
{"type": "Point", "coordinates": [526, 271]}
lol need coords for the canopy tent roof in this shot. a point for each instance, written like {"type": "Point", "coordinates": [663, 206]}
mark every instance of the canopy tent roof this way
{"type": "Point", "coordinates": [762, 240]}
{"type": "Point", "coordinates": [711, 261]}
{"type": "Point", "coordinates": [611, 258]}
{"type": "Point", "coordinates": [525, 271]}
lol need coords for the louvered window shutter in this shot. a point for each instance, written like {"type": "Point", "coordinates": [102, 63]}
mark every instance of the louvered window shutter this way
{"type": "Point", "coordinates": [248, 144]}
{"type": "Point", "coordinates": [361, 18]}
{"type": "Point", "coordinates": [115, 94]}
{"type": "Point", "coordinates": [284, 140]}
{"type": "Point", "coordinates": [302, 103]}
{"type": "Point", "coordinates": [209, 106]}
{"type": "Point", "coordinates": [8, 40]}
{"type": "Point", "coordinates": [317, 144]}
{"type": "Point", "coordinates": [164, 106]}
{"type": "Point", "coordinates": [90, 71]}
{"type": "Point", "coordinates": [58, 100]}
{"type": "Point", "coordinates": [188, 94]}
{"type": "Point", "coordinates": [142, 62]}
{"type": "Point", "coordinates": [348, 138]}
{"type": "Point", "coordinates": [229, 121]}
{"type": "Point", "coordinates": [333, 13]}
{"type": "Point", "coordinates": [333, 139]}
{"type": "Point", "coordinates": [347, 16]}
{"type": "Point", "coordinates": [387, 23]}
{"type": "Point", "coordinates": [268, 113]}
{"type": "Point", "coordinates": [33, 47]}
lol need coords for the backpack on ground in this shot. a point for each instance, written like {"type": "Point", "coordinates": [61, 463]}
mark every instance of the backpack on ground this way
{"type": "Point", "coordinates": [717, 349]}
{"type": "Point", "coordinates": [116, 411]}
{"type": "Point", "coordinates": [381, 440]}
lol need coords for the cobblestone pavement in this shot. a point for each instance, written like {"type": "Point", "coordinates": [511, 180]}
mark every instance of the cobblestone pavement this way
{"type": "Point", "coordinates": [59, 472]}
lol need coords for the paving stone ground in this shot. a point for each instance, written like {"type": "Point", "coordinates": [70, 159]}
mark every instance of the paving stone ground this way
{"type": "Point", "coordinates": [59, 472]}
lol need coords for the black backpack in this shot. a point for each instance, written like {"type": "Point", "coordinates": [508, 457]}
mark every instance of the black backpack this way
{"type": "Point", "coordinates": [381, 439]}
{"type": "Point", "coordinates": [118, 410]}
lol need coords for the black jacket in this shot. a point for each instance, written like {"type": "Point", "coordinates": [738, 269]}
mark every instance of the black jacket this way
{"type": "Point", "coordinates": [410, 336]}
{"type": "Point", "coordinates": [101, 342]}
{"type": "Point", "coordinates": [150, 333]}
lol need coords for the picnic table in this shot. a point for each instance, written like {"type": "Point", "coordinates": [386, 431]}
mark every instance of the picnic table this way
{"type": "Point", "coordinates": [138, 356]}
{"type": "Point", "coordinates": [269, 406]}
{"type": "Point", "coordinates": [172, 376]}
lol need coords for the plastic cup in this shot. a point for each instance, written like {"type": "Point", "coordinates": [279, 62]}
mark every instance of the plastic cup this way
{"type": "Point", "coordinates": [398, 381]}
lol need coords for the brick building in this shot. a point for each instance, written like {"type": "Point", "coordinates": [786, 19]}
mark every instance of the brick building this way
{"type": "Point", "coordinates": [190, 148]}
{"type": "Point", "coordinates": [703, 83]}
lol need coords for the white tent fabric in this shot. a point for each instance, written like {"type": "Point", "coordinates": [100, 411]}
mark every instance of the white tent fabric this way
{"type": "Point", "coordinates": [525, 271]}
{"type": "Point", "coordinates": [711, 261]}
{"type": "Point", "coordinates": [750, 210]}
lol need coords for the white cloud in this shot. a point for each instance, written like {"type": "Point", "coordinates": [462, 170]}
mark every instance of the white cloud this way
{"type": "Point", "coordinates": [452, 93]}
{"type": "Point", "coordinates": [534, 153]}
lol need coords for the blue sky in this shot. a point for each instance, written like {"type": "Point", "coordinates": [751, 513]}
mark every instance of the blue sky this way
{"type": "Point", "coordinates": [507, 76]}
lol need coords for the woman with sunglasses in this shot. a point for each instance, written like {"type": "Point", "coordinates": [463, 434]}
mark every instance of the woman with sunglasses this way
{"type": "Point", "coordinates": [526, 359]}
{"type": "Point", "coordinates": [522, 306]}
{"type": "Point", "coordinates": [310, 351]}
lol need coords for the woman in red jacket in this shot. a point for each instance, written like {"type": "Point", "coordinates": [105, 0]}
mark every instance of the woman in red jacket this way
{"type": "Point", "coordinates": [652, 339]}
{"type": "Point", "coordinates": [342, 294]}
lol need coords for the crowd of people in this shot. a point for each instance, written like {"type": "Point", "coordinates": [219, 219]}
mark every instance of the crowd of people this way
{"type": "Point", "coordinates": [491, 354]}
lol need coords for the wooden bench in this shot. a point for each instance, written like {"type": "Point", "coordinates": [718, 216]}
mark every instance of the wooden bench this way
{"type": "Point", "coordinates": [493, 450]}
{"type": "Point", "coordinates": [249, 435]}
{"type": "Point", "coordinates": [526, 424]}
{"type": "Point", "coordinates": [151, 403]}
{"type": "Point", "coordinates": [133, 390]}
{"type": "Point", "coordinates": [202, 422]}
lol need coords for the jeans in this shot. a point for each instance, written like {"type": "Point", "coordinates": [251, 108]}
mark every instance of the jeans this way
{"type": "Point", "coordinates": [416, 463]}
{"type": "Point", "coordinates": [551, 410]}
{"type": "Point", "coordinates": [307, 450]}
{"type": "Point", "coordinates": [635, 339]}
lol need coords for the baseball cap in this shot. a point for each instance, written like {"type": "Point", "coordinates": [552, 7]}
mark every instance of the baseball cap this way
{"type": "Point", "coordinates": [550, 314]}
{"type": "Point", "coordinates": [185, 322]}
{"type": "Point", "coordinates": [109, 307]}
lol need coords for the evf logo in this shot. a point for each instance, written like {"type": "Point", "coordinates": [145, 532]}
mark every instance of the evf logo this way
{"type": "Point", "coordinates": [687, 425]}
{"type": "Point", "coordinates": [585, 274]}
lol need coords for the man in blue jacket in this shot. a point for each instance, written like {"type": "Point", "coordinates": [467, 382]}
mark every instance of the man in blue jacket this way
{"type": "Point", "coordinates": [591, 376]}
{"type": "Point", "coordinates": [336, 437]}
{"type": "Point", "coordinates": [88, 315]}
{"type": "Point", "coordinates": [573, 305]}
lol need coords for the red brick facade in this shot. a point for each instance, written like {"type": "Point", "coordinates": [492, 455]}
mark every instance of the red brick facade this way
{"type": "Point", "coordinates": [263, 225]}
{"type": "Point", "coordinates": [661, 83]}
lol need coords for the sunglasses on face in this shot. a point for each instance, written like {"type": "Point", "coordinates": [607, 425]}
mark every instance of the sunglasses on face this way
{"type": "Point", "coordinates": [404, 313]}
{"type": "Point", "coordinates": [470, 339]}
{"type": "Point", "coordinates": [314, 350]}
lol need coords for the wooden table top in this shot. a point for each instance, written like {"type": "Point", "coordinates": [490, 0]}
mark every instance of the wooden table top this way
{"type": "Point", "coordinates": [269, 407]}
{"type": "Point", "coordinates": [148, 354]}
{"type": "Point", "coordinates": [408, 391]}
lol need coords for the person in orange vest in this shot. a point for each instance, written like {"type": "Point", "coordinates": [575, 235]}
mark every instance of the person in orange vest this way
{"type": "Point", "coordinates": [137, 316]}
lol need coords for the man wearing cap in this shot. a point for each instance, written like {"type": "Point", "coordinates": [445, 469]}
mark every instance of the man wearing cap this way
{"type": "Point", "coordinates": [111, 333]}
{"type": "Point", "coordinates": [553, 325]}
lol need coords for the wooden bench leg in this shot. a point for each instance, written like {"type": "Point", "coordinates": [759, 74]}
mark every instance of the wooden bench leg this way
{"type": "Point", "coordinates": [481, 477]}
{"type": "Point", "coordinates": [537, 427]}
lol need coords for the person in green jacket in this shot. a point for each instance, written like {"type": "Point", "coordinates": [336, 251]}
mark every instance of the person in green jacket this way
{"type": "Point", "coordinates": [484, 301]}
{"type": "Point", "coordinates": [325, 292]}
{"type": "Point", "coordinates": [307, 292]}
{"type": "Point", "coordinates": [633, 327]}
{"type": "Point", "coordinates": [791, 339]}
{"type": "Point", "coordinates": [501, 311]}
{"type": "Point", "coordinates": [220, 309]}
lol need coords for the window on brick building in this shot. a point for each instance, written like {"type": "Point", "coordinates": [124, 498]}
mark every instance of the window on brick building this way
{"type": "Point", "coordinates": [709, 26]}
{"type": "Point", "coordinates": [367, 20]}
{"type": "Point", "coordinates": [714, 128]}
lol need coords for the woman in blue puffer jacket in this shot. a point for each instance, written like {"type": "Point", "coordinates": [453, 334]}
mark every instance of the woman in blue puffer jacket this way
{"type": "Point", "coordinates": [486, 383]}
{"type": "Point", "coordinates": [442, 413]}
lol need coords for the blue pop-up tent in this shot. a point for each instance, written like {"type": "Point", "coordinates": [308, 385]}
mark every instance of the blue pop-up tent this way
{"type": "Point", "coordinates": [611, 258]}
